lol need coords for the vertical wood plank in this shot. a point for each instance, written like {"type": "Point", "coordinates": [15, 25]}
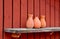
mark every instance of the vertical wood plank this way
{"type": "Point", "coordinates": [30, 36]}
{"type": "Point", "coordinates": [59, 18]}
{"type": "Point", "coordinates": [39, 15]}
{"type": "Point", "coordinates": [42, 35]}
{"type": "Point", "coordinates": [7, 17]}
{"type": "Point", "coordinates": [47, 17]}
{"type": "Point", "coordinates": [42, 12]}
{"type": "Point", "coordinates": [36, 8]}
{"type": "Point", "coordinates": [30, 6]}
{"type": "Point", "coordinates": [56, 18]}
{"type": "Point", "coordinates": [1, 19]}
{"type": "Point", "coordinates": [23, 17]}
{"type": "Point", "coordinates": [42, 7]}
{"type": "Point", "coordinates": [52, 17]}
{"type": "Point", "coordinates": [52, 13]}
{"type": "Point", "coordinates": [23, 13]}
{"type": "Point", "coordinates": [57, 35]}
{"type": "Point", "coordinates": [7, 13]}
{"type": "Point", "coordinates": [56, 13]}
{"type": "Point", "coordinates": [47, 35]}
{"type": "Point", "coordinates": [30, 10]}
{"type": "Point", "coordinates": [48, 13]}
{"type": "Point", "coordinates": [16, 13]}
{"type": "Point", "coordinates": [37, 36]}
{"type": "Point", "coordinates": [36, 14]}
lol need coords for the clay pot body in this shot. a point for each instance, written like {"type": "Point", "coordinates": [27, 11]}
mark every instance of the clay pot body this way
{"type": "Point", "coordinates": [30, 22]}
{"type": "Point", "coordinates": [43, 22]}
{"type": "Point", "coordinates": [37, 23]}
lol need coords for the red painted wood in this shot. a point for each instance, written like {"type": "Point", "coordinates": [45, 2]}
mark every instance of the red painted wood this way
{"type": "Point", "coordinates": [56, 13]}
{"type": "Point", "coordinates": [57, 17]}
{"type": "Point", "coordinates": [7, 13]}
{"type": "Point", "coordinates": [36, 8]}
{"type": "Point", "coordinates": [52, 35]}
{"type": "Point", "coordinates": [47, 17]}
{"type": "Point", "coordinates": [48, 13]}
{"type": "Point", "coordinates": [36, 13]}
{"type": "Point", "coordinates": [23, 17]}
{"type": "Point", "coordinates": [37, 35]}
{"type": "Point", "coordinates": [23, 13]}
{"type": "Point", "coordinates": [30, 6]}
{"type": "Point", "coordinates": [16, 13]}
{"type": "Point", "coordinates": [47, 35]}
{"type": "Point", "coordinates": [42, 12]}
{"type": "Point", "coordinates": [52, 13]}
{"type": "Point", "coordinates": [7, 17]}
{"type": "Point", "coordinates": [57, 35]}
{"type": "Point", "coordinates": [18, 17]}
{"type": "Point", "coordinates": [30, 36]}
{"type": "Point", "coordinates": [1, 19]}
{"type": "Point", "coordinates": [30, 10]}
{"type": "Point", "coordinates": [42, 35]}
{"type": "Point", "coordinates": [52, 17]}
{"type": "Point", "coordinates": [42, 7]}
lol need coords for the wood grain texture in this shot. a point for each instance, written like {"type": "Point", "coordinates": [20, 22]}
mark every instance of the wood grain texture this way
{"type": "Point", "coordinates": [36, 8]}
{"type": "Point", "coordinates": [59, 18]}
{"type": "Point", "coordinates": [49, 8]}
{"type": "Point", "coordinates": [36, 14]}
{"type": "Point", "coordinates": [52, 13]}
{"type": "Point", "coordinates": [56, 13]}
{"type": "Point", "coordinates": [48, 13]}
{"type": "Point", "coordinates": [1, 19]}
{"type": "Point", "coordinates": [42, 12]}
{"type": "Point", "coordinates": [16, 13]}
{"type": "Point", "coordinates": [37, 35]}
{"type": "Point", "coordinates": [47, 35]}
{"type": "Point", "coordinates": [30, 6]}
{"type": "Point", "coordinates": [23, 17]}
{"type": "Point", "coordinates": [42, 7]}
{"type": "Point", "coordinates": [7, 13]}
{"type": "Point", "coordinates": [23, 13]}
{"type": "Point", "coordinates": [52, 16]}
{"type": "Point", "coordinates": [47, 17]}
{"type": "Point", "coordinates": [56, 17]}
{"type": "Point", "coordinates": [57, 35]}
{"type": "Point", "coordinates": [30, 10]}
{"type": "Point", "coordinates": [30, 36]}
{"type": "Point", "coordinates": [7, 17]}
{"type": "Point", "coordinates": [42, 35]}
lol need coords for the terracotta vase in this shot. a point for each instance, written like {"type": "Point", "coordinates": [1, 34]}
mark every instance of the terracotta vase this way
{"type": "Point", "coordinates": [37, 23]}
{"type": "Point", "coordinates": [30, 22]}
{"type": "Point", "coordinates": [43, 22]}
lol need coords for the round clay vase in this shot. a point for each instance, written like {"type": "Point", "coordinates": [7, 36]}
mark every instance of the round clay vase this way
{"type": "Point", "coordinates": [43, 22]}
{"type": "Point", "coordinates": [30, 22]}
{"type": "Point", "coordinates": [37, 23]}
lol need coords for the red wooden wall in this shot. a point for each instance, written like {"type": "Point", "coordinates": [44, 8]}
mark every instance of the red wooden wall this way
{"type": "Point", "coordinates": [13, 14]}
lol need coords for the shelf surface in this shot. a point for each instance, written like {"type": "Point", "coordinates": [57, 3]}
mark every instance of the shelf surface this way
{"type": "Point", "coordinates": [32, 30]}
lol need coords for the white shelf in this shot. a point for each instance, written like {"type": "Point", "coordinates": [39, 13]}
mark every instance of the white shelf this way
{"type": "Point", "coordinates": [32, 30]}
